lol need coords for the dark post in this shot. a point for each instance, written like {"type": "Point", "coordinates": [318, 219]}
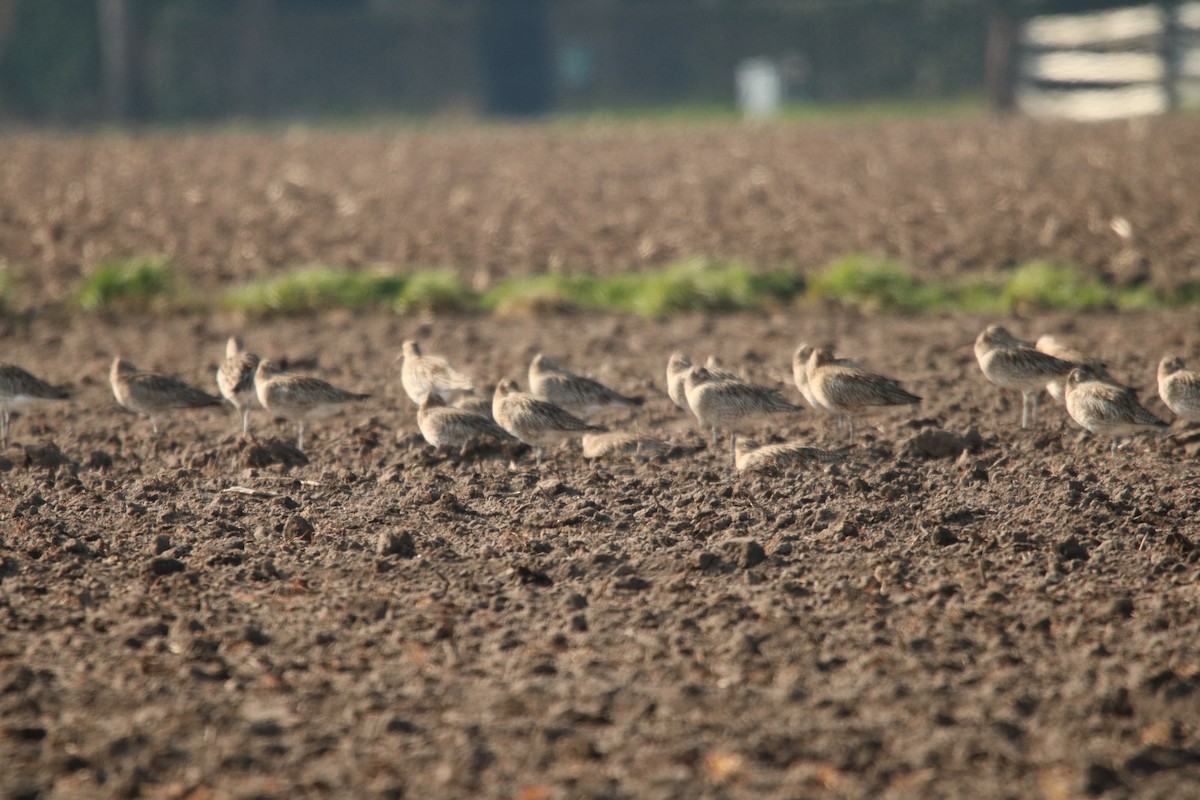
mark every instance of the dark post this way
{"type": "Point", "coordinates": [1003, 30]}
{"type": "Point", "coordinates": [114, 56]}
{"type": "Point", "coordinates": [518, 59]}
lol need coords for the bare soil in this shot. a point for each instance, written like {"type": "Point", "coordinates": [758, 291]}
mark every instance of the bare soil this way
{"type": "Point", "coordinates": [1018, 621]}
{"type": "Point", "coordinates": [1117, 200]}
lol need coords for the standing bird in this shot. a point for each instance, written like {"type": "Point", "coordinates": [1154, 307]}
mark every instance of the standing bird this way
{"type": "Point", "coordinates": [536, 422]}
{"type": "Point", "coordinates": [677, 369]}
{"type": "Point", "coordinates": [849, 391]}
{"type": "Point", "coordinates": [235, 379]}
{"type": "Point", "coordinates": [1106, 409]}
{"type": "Point", "coordinates": [1048, 344]}
{"type": "Point", "coordinates": [17, 389]}
{"type": "Point", "coordinates": [1179, 388]}
{"type": "Point", "coordinates": [424, 375]}
{"type": "Point", "coordinates": [750, 455]}
{"type": "Point", "coordinates": [1011, 363]}
{"type": "Point", "coordinates": [299, 397]}
{"type": "Point", "coordinates": [151, 394]}
{"type": "Point", "coordinates": [723, 404]}
{"type": "Point", "coordinates": [579, 395]}
{"type": "Point", "coordinates": [447, 427]}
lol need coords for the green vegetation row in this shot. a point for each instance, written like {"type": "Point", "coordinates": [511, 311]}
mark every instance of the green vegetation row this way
{"type": "Point", "coordinates": [868, 284]}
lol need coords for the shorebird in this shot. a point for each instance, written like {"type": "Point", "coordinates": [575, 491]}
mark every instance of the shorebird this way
{"type": "Point", "coordinates": [151, 394]}
{"type": "Point", "coordinates": [477, 405]}
{"type": "Point", "coordinates": [677, 369]}
{"type": "Point", "coordinates": [18, 389]}
{"type": "Point", "coordinates": [1049, 345]}
{"type": "Point", "coordinates": [1179, 388]}
{"type": "Point", "coordinates": [750, 455]}
{"type": "Point", "coordinates": [298, 397]}
{"type": "Point", "coordinates": [723, 404]}
{"type": "Point", "coordinates": [1106, 409]}
{"type": "Point", "coordinates": [534, 421]}
{"type": "Point", "coordinates": [579, 395]}
{"type": "Point", "coordinates": [447, 427]}
{"type": "Point", "coordinates": [847, 390]}
{"type": "Point", "coordinates": [235, 379]}
{"type": "Point", "coordinates": [608, 445]}
{"type": "Point", "coordinates": [422, 375]}
{"type": "Point", "coordinates": [1011, 363]}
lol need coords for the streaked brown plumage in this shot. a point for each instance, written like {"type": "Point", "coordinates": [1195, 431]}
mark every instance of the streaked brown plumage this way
{"type": "Point", "coordinates": [1012, 363]}
{"type": "Point", "coordinates": [579, 395]}
{"type": "Point", "coordinates": [677, 369]}
{"type": "Point", "coordinates": [731, 404]}
{"type": "Point", "coordinates": [1179, 388]}
{"type": "Point", "coordinates": [18, 389]}
{"type": "Point", "coordinates": [608, 445]}
{"type": "Point", "coordinates": [849, 391]}
{"type": "Point", "coordinates": [750, 455]}
{"type": "Point", "coordinates": [421, 375]}
{"type": "Point", "coordinates": [151, 394]}
{"type": "Point", "coordinates": [1106, 409]}
{"type": "Point", "coordinates": [447, 427]}
{"type": "Point", "coordinates": [299, 398]}
{"type": "Point", "coordinates": [536, 422]}
{"type": "Point", "coordinates": [235, 379]}
{"type": "Point", "coordinates": [1050, 345]}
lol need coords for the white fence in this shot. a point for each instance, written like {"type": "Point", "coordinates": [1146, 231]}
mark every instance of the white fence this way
{"type": "Point", "coordinates": [1125, 62]}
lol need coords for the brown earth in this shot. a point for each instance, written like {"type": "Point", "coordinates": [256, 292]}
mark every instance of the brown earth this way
{"type": "Point", "coordinates": [1021, 621]}
{"type": "Point", "coordinates": [1118, 200]}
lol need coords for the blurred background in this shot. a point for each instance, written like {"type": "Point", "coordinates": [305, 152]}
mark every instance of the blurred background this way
{"type": "Point", "coordinates": [78, 61]}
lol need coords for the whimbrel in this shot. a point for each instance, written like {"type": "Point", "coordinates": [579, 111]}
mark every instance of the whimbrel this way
{"type": "Point", "coordinates": [235, 379]}
{"type": "Point", "coordinates": [422, 375]}
{"type": "Point", "coordinates": [1011, 363]}
{"type": "Point", "coordinates": [579, 395]}
{"type": "Point", "coordinates": [610, 445]}
{"type": "Point", "coordinates": [299, 398]}
{"type": "Point", "coordinates": [19, 389]}
{"type": "Point", "coordinates": [750, 455]}
{"type": "Point", "coordinates": [1179, 388]}
{"type": "Point", "coordinates": [731, 404]}
{"type": "Point", "coordinates": [447, 427]}
{"type": "Point", "coordinates": [151, 394]}
{"type": "Point", "coordinates": [536, 422]}
{"type": "Point", "coordinates": [1050, 345]}
{"type": "Point", "coordinates": [850, 391]}
{"type": "Point", "coordinates": [1106, 409]}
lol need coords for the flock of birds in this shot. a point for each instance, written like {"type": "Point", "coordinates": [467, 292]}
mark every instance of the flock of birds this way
{"type": "Point", "coordinates": [559, 403]}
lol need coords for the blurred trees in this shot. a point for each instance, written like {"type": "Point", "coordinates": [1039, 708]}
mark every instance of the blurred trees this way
{"type": "Point", "coordinates": [75, 60]}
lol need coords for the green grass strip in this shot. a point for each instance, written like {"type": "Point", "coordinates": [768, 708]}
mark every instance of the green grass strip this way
{"type": "Point", "coordinates": [868, 284]}
{"type": "Point", "coordinates": [138, 284]}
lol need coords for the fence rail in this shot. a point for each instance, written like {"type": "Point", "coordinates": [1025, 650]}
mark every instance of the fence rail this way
{"type": "Point", "coordinates": [1132, 61]}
